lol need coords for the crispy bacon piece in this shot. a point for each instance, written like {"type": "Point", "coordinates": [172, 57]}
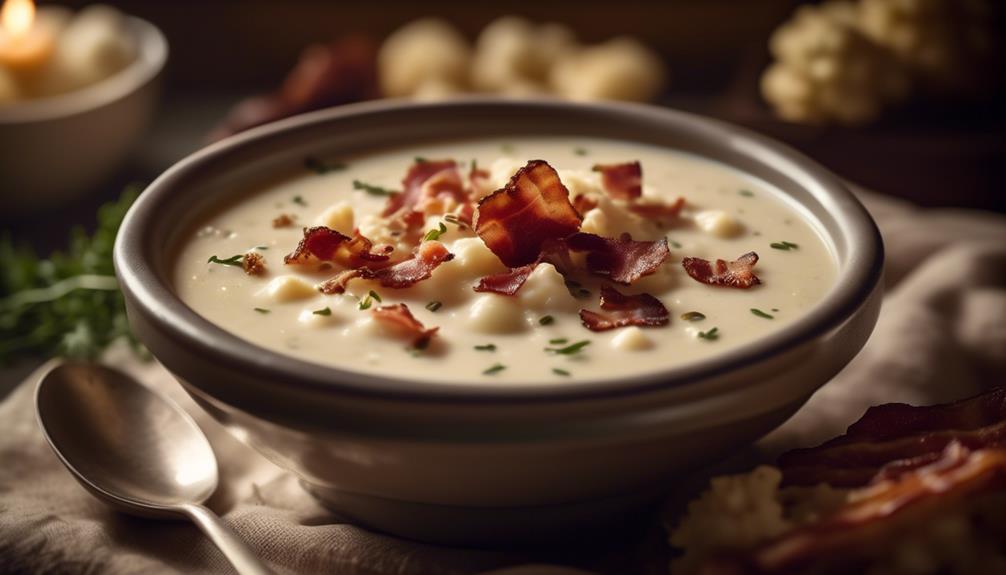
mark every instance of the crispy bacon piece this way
{"type": "Point", "coordinates": [443, 177]}
{"type": "Point", "coordinates": [253, 264]}
{"type": "Point", "coordinates": [896, 438]}
{"type": "Point", "coordinates": [404, 274]}
{"type": "Point", "coordinates": [738, 273]}
{"type": "Point", "coordinates": [657, 210]}
{"type": "Point", "coordinates": [506, 283]}
{"type": "Point", "coordinates": [517, 220]}
{"type": "Point", "coordinates": [622, 260]}
{"type": "Point", "coordinates": [642, 310]}
{"type": "Point", "coordinates": [400, 316]}
{"type": "Point", "coordinates": [840, 539]}
{"type": "Point", "coordinates": [284, 221]}
{"type": "Point", "coordinates": [322, 244]}
{"type": "Point", "coordinates": [621, 181]}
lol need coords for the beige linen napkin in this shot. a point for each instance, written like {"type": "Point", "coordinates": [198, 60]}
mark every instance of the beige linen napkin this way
{"type": "Point", "coordinates": [941, 336]}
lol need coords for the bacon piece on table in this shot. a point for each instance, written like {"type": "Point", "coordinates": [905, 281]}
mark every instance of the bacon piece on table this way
{"type": "Point", "coordinates": [738, 273]}
{"type": "Point", "coordinates": [400, 316]}
{"type": "Point", "coordinates": [622, 260]}
{"type": "Point", "coordinates": [640, 310]}
{"type": "Point", "coordinates": [321, 244]}
{"type": "Point", "coordinates": [516, 221]}
{"type": "Point", "coordinates": [621, 181]}
{"type": "Point", "coordinates": [896, 438]}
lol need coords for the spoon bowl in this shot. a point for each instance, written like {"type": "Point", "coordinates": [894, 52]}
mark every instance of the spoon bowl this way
{"type": "Point", "coordinates": [134, 449]}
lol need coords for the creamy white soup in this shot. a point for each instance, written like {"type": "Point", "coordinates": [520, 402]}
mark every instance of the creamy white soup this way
{"type": "Point", "coordinates": [242, 270]}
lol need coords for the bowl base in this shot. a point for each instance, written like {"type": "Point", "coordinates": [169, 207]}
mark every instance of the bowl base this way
{"type": "Point", "coordinates": [491, 527]}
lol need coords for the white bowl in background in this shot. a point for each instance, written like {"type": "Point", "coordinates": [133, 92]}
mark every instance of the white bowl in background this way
{"type": "Point", "coordinates": [54, 149]}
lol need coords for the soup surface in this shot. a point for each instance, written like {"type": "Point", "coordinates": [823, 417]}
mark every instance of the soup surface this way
{"type": "Point", "coordinates": [232, 269]}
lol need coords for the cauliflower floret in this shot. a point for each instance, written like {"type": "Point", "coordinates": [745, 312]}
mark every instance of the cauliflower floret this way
{"type": "Point", "coordinates": [288, 288]}
{"type": "Point", "coordinates": [619, 69]}
{"type": "Point", "coordinates": [718, 223]}
{"type": "Point", "coordinates": [515, 57]}
{"type": "Point", "coordinates": [493, 313]}
{"type": "Point", "coordinates": [946, 42]}
{"type": "Point", "coordinates": [420, 52]}
{"type": "Point", "coordinates": [338, 217]}
{"type": "Point", "coordinates": [502, 169]}
{"type": "Point", "coordinates": [631, 339]}
{"type": "Point", "coordinates": [827, 70]}
{"type": "Point", "coordinates": [579, 182]}
{"type": "Point", "coordinates": [545, 290]}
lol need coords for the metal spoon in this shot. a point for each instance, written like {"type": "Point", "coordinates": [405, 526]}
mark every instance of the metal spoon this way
{"type": "Point", "coordinates": [135, 450]}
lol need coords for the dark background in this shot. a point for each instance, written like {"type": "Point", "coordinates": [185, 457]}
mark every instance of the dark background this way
{"type": "Point", "coordinates": [934, 153]}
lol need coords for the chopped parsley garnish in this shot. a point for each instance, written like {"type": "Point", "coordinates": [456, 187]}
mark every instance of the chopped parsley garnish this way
{"type": "Point", "coordinates": [324, 311]}
{"type": "Point", "coordinates": [496, 368]}
{"type": "Point", "coordinates": [372, 189]}
{"type": "Point", "coordinates": [710, 335]}
{"type": "Point", "coordinates": [299, 201]}
{"type": "Point", "coordinates": [486, 347]}
{"type": "Point", "coordinates": [571, 349]}
{"type": "Point", "coordinates": [561, 372]}
{"type": "Point", "coordinates": [558, 341]}
{"type": "Point", "coordinates": [760, 313]}
{"type": "Point", "coordinates": [320, 166]}
{"type": "Point", "coordinates": [231, 261]}
{"type": "Point", "coordinates": [785, 246]}
{"type": "Point", "coordinates": [546, 320]}
{"type": "Point", "coordinates": [434, 305]}
{"type": "Point", "coordinates": [369, 300]}
{"type": "Point", "coordinates": [435, 234]}
{"type": "Point", "coordinates": [693, 316]}
{"type": "Point", "coordinates": [261, 310]}
{"type": "Point", "coordinates": [580, 151]}
{"type": "Point", "coordinates": [746, 193]}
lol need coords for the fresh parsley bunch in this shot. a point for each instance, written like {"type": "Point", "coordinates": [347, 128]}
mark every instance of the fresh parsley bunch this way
{"type": "Point", "coordinates": [70, 303]}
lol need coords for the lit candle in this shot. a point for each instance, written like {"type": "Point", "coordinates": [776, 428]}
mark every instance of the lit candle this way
{"type": "Point", "coordinates": [25, 44]}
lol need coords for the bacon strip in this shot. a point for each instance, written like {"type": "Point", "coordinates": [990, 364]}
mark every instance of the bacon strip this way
{"type": "Point", "coordinates": [642, 310]}
{"type": "Point", "coordinates": [517, 220]}
{"type": "Point", "coordinates": [506, 283]}
{"type": "Point", "coordinates": [416, 177]}
{"type": "Point", "coordinates": [738, 273]}
{"type": "Point", "coordinates": [404, 274]}
{"type": "Point", "coordinates": [895, 438]}
{"type": "Point", "coordinates": [958, 474]}
{"type": "Point", "coordinates": [622, 260]}
{"type": "Point", "coordinates": [322, 244]}
{"type": "Point", "coordinates": [657, 210]}
{"type": "Point", "coordinates": [400, 316]}
{"type": "Point", "coordinates": [621, 181]}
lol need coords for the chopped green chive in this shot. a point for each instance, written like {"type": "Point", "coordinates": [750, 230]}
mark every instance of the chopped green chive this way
{"type": "Point", "coordinates": [435, 234]}
{"type": "Point", "coordinates": [372, 189]}
{"type": "Point", "coordinates": [558, 341]}
{"type": "Point", "coordinates": [760, 313]}
{"type": "Point", "coordinates": [785, 246]}
{"type": "Point", "coordinates": [546, 320]}
{"type": "Point", "coordinates": [746, 193]}
{"type": "Point", "coordinates": [261, 310]}
{"type": "Point", "coordinates": [710, 335]}
{"type": "Point", "coordinates": [580, 151]}
{"type": "Point", "coordinates": [674, 244]}
{"type": "Point", "coordinates": [320, 166]}
{"type": "Point", "coordinates": [420, 160]}
{"type": "Point", "coordinates": [576, 289]}
{"type": "Point", "coordinates": [486, 347]}
{"type": "Point", "coordinates": [775, 309]}
{"type": "Point", "coordinates": [325, 311]}
{"type": "Point", "coordinates": [231, 261]}
{"type": "Point", "coordinates": [261, 247]}
{"type": "Point", "coordinates": [693, 316]}
{"type": "Point", "coordinates": [434, 305]}
{"type": "Point", "coordinates": [561, 372]}
{"type": "Point", "coordinates": [369, 300]}
{"type": "Point", "coordinates": [299, 201]}
{"type": "Point", "coordinates": [570, 349]}
{"type": "Point", "coordinates": [496, 368]}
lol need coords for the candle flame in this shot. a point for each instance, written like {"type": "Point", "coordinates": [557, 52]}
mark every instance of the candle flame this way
{"type": "Point", "coordinates": [16, 16]}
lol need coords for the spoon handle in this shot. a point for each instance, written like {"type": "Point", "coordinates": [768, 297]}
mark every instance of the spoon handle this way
{"type": "Point", "coordinates": [240, 555]}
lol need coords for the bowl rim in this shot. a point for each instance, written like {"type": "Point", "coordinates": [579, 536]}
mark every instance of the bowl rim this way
{"type": "Point", "coordinates": [155, 299]}
{"type": "Point", "coordinates": [152, 55]}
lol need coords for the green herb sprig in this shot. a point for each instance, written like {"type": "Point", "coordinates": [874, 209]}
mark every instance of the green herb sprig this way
{"type": "Point", "coordinates": [711, 335]}
{"type": "Point", "coordinates": [68, 304]}
{"type": "Point", "coordinates": [372, 189]}
{"type": "Point", "coordinates": [370, 299]}
{"type": "Point", "coordinates": [231, 261]}
{"type": "Point", "coordinates": [435, 233]}
{"type": "Point", "coordinates": [571, 349]}
{"type": "Point", "coordinates": [784, 246]}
